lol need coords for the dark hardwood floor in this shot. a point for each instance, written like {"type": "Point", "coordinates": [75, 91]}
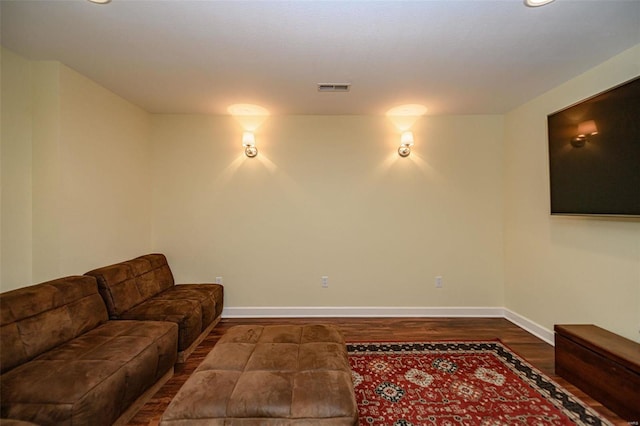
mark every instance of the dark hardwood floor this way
{"type": "Point", "coordinates": [534, 350]}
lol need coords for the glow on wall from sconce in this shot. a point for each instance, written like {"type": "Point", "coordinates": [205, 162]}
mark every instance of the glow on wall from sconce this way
{"type": "Point", "coordinates": [393, 158]}
{"type": "Point", "coordinates": [249, 116]}
{"type": "Point", "coordinates": [404, 116]}
{"type": "Point", "coordinates": [226, 176]}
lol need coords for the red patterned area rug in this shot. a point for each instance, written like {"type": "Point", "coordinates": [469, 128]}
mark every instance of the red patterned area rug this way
{"type": "Point", "coordinates": [458, 383]}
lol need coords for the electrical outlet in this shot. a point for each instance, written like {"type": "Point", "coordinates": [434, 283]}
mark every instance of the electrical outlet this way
{"type": "Point", "coordinates": [218, 280]}
{"type": "Point", "coordinates": [438, 281]}
{"type": "Point", "coordinates": [325, 281]}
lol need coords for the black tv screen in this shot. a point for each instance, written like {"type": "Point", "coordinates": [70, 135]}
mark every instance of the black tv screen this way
{"type": "Point", "coordinates": [594, 154]}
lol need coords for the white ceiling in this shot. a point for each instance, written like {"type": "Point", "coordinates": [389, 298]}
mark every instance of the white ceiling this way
{"type": "Point", "coordinates": [453, 56]}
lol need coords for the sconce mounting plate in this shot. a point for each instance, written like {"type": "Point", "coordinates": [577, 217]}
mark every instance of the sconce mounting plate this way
{"type": "Point", "coordinates": [404, 151]}
{"type": "Point", "coordinates": [251, 151]}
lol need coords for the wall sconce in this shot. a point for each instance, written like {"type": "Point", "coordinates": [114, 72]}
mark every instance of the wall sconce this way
{"type": "Point", "coordinates": [406, 142]}
{"type": "Point", "coordinates": [249, 143]}
{"type": "Point", "coordinates": [585, 129]}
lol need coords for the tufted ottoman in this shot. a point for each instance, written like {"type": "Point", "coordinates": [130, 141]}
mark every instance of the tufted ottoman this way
{"type": "Point", "coordinates": [269, 375]}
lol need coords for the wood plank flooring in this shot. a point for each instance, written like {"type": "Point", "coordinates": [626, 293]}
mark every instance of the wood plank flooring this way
{"type": "Point", "coordinates": [534, 350]}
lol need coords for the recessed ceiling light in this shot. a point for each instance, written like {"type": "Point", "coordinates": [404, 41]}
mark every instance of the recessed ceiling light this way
{"type": "Point", "coordinates": [536, 3]}
{"type": "Point", "coordinates": [100, 1]}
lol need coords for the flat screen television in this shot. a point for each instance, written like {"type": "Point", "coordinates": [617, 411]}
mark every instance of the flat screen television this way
{"type": "Point", "coordinates": [594, 154]}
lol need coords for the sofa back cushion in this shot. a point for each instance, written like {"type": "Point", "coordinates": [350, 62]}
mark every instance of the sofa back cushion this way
{"type": "Point", "coordinates": [127, 284]}
{"type": "Point", "coordinates": [38, 318]}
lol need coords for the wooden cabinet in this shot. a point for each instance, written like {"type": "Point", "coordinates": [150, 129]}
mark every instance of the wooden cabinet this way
{"type": "Point", "coordinates": [602, 364]}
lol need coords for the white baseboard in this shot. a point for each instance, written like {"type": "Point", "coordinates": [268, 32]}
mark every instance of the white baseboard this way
{"type": "Point", "coordinates": [530, 326]}
{"type": "Point", "coordinates": [382, 311]}
{"type": "Point", "coordinates": [359, 312]}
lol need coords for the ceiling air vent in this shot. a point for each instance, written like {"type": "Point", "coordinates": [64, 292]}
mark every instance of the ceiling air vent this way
{"type": "Point", "coordinates": [333, 87]}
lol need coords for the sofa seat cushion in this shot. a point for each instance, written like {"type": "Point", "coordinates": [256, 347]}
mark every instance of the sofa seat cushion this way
{"type": "Point", "coordinates": [187, 313]}
{"type": "Point", "coordinates": [204, 294]}
{"type": "Point", "coordinates": [269, 375]}
{"type": "Point", "coordinates": [93, 378]}
{"type": "Point", "coordinates": [217, 290]}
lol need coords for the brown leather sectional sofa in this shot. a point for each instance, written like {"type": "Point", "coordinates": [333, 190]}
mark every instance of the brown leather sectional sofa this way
{"type": "Point", "coordinates": [92, 349]}
{"type": "Point", "coordinates": [143, 289]}
{"type": "Point", "coordinates": [63, 362]}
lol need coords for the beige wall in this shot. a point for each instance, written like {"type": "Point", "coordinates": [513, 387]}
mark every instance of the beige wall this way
{"type": "Point", "coordinates": [80, 192]}
{"type": "Point", "coordinates": [46, 165]}
{"type": "Point", "coordinates": [15, 166]}
{"type": "Point", "coordinates": [328, 195]}
{"type": "Point", "coordinates": [566, 269]}
{"type": "Point", "coordinates": [105, 176]}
